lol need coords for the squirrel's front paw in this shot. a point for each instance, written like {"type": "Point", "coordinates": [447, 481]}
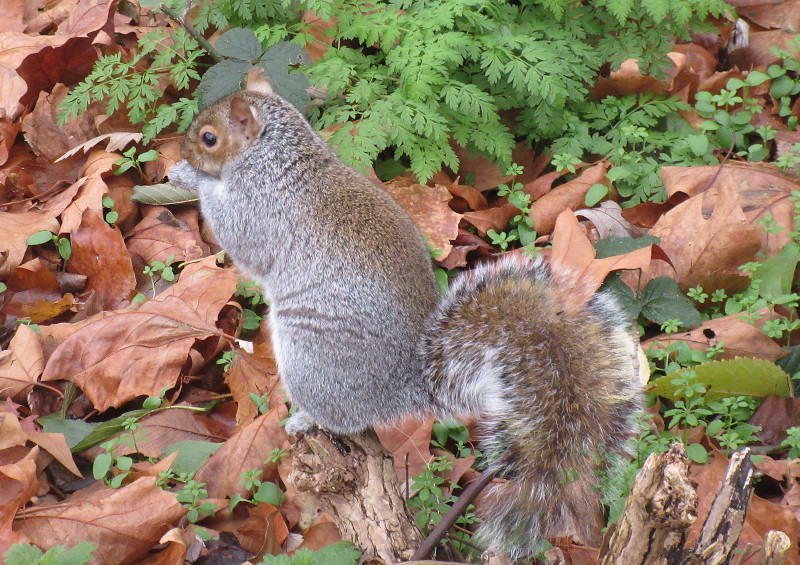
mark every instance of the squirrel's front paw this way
{"type": "Point", "coordinates": [183, 175]}
{"type": "Point", "coordinates": [299, 423]}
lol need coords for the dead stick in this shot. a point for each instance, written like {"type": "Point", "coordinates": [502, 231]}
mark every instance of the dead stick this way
{"type": "Point", "coordinates": [184, 23]}
{"type": "Point", "coordinates": [460, 505]}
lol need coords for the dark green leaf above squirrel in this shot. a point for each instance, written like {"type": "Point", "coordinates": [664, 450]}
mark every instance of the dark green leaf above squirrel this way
{"type": "Point", "coordinates": [361, 337]}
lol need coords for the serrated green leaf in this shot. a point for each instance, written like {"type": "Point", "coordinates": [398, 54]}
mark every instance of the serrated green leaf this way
{"type": "Point", "coordinates": [611, 246]}
{"type": "Point", "coordinates": [22, 554]}
{"type": "Point", "coordinates": [731, 377]}
{"type": "Point", "coordinates": [624, 296]}
{"type": "Point", "coordinates": [291, 86]}
{"type": "Point", "coordinates": [339, 553]}
{"type": "Point", "coordinates": [285, 54]}
{"type": "Point", "coordinates": [219, 81]}
{"type": "Point", "coordinates": [239, 43]}
{"type": "Point", "coordinates": [162, 194]}
{"type": "Point", "coordinates": [663, 300]}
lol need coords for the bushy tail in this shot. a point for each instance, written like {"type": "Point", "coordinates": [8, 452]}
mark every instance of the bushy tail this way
{"type": "Point", "coordinates": [552, 381]}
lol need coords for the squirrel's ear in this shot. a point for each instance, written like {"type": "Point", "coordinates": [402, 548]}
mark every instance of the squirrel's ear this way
{"type": "Point", "coordinates": [244, 118]}
{"type": "Point", "coordinates": [257, 82]}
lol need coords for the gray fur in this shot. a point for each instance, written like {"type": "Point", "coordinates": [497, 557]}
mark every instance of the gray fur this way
{"type": "Point", "coordinates": [347, 274]}
{"type": "Point", "coordinates": [359, 339]}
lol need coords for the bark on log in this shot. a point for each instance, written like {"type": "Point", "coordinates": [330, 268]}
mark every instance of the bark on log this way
{"type": "Point", "coordinates": [725, 520]}
{"type": "Point", "coordinates": [659, 511]}
{"type": "Point", "coordinates": [776, 545]}
{"type": "Point", "coordinates": [355, 481]}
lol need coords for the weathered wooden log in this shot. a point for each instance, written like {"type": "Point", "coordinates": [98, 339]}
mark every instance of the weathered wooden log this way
{"type": "Point", "coordinates": [354, 479]}
{"type": "Point", "coordinates": [725, 519]}
{"type": "Point", "coordinates": [776, 546]}
{"type": "Point", "coordinates": [658, 513]}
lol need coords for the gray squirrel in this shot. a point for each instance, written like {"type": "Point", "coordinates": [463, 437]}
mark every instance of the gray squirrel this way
{"type": "Point", "coordinates": [361, 337]}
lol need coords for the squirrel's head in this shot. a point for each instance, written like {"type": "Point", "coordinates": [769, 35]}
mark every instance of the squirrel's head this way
{"type": "Point", "coordinates": [222, 131]}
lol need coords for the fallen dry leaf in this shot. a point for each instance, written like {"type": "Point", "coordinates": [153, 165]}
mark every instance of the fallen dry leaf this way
{"type": "Point", "coordinates": [428, 207]}
{"type": "Point", "coordinates": [123, 523]}
{"type": "Point", "coordinates": [740, 338]}
{"type": "Point", "coordinates": [160, 234]}
{"type": "Point", "coordinates": [761, 190]}
{"type": "Point", "coordinates": [571, 194]}
{"type": "Point", "coordinates": [170, 426]}
{"type": "Point", "coordinates": [573, 254]}
{"type": "Point", "coordinates": [707, 251]}
{"type": "Point", "coordinates": [21, 364]}
{"type": "Point", "coordinates": [258, 375]}
{"type": "Point", "coordinates": [321, 534]}
{"type": "Point", "coordinates": [774, 417]}
{"type": "Point", "coordinates": [409, 443]}
{"type": "Point", "coordinates": [17, 227]}
{"type": "Point", "coordinates": [99, 253]}
{"type": "Point", "coordinates": [140, 350]}
{"type": "Point", "coordinates": [249, 448]}
{"type": "Point", "coordinates": [607, 220]}
{"type": "Point", "coordinates": [18, 484]}
{"type": "Point", "coordinates": [56, 445]}
{"type": "Point", "coordinates": [177, 541]}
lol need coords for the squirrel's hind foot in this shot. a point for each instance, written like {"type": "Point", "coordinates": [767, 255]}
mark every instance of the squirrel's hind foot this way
{"type": "Point", "coordinates": [299, 423]}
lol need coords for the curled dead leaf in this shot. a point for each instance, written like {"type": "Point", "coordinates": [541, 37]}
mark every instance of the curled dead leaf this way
{"type": "Point", "coordinates": [123, 523]}
{"type": "Point", "coordinates": [141, 349]}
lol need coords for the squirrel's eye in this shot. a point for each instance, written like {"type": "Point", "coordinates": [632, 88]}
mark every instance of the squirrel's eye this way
{"type": "Point", "coordinates": [209, 139]}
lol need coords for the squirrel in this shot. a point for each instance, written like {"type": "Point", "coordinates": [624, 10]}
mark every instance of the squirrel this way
{"type": "Point", "coordinates": [361, 337]}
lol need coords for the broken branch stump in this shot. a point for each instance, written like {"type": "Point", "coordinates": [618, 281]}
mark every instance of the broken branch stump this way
{"type": "Point", "coordinates": [354, 479]}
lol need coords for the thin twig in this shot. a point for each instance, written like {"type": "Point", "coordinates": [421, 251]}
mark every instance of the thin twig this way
{"type": "Point", "coordinates": [460, 505]}
{"type": "Point", "coordinates": [184, 23]}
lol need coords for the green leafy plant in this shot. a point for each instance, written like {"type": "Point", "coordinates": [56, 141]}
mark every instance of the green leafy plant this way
{"type": "Point", "coordinates": [130, 159]}
{"type": "Point", "coordinates": [105, 464]}
{"type": "Point", "coordinates": [521, 226]}
{"type": "Point", "coordinates": [429, 502]}
{"type": "Point", "coordinates": [261, 402]}
{"type": "Point", "coordinates": [792, 441]}
{"type": "Point", "coordinates": [729, 115]}
{"type": "Point", "coordinates": [637, 134]}
{"type": "Point", "coordinates": [339, 553]}
{"type": "Point", "coordinates": [111, 216]}
{"type": "Point", "coordinates": [440, 70]}
{"type": "Point", "coordinates": [162, 268]}
{"type": "Point", "coordinates": [252, 295]}
{"type": "Point", "coordinates": [28, 322]}
{"type": "Point", "coordinates": [134, 83]}
{"type": "Point", "coordinates": [262, 491]}
{"type": "Point", "coordinates": [191, 496]}
{"type": "Point", "coordinates": [454, 437]}
{"type": "Point", "coordinates": [661, 301]}
{"type": "Point", "coordinates": [226, 359]}
{"type": "Point", "coordinates": [401, 76]}
{"type": "Point", "coordinates": [63, 244]}
{"type": "Point", "coordinates": [25, 554]}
